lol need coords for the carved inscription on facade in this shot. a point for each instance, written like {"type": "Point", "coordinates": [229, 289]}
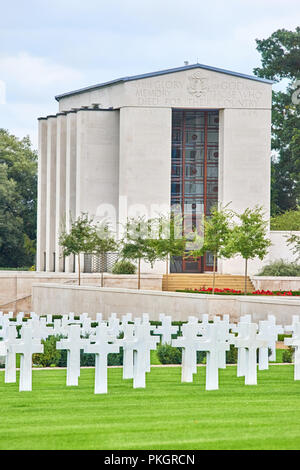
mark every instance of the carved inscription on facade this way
{"type": "Point", "coordinates": [195, 89]}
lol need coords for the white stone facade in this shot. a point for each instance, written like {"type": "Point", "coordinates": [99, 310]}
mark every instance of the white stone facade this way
{"type": "Point", "coordinates": [109, 150]}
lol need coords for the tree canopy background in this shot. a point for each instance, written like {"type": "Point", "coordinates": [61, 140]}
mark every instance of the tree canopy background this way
{"type": "Point", "coordinates": [280, 56]}
{"type": "Point", "coordinates": [18, 201]}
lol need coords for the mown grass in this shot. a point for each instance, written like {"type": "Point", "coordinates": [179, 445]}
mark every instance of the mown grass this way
{"type": "Point", "coordinates": [166, 415]}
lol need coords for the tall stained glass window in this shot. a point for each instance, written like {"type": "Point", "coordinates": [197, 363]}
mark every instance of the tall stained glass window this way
{"type": "Point", "coordinates": [194, 180]}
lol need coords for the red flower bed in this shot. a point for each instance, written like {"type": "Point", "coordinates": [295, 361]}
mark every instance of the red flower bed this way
{"type": "Point", "coordinates": [208, 290]}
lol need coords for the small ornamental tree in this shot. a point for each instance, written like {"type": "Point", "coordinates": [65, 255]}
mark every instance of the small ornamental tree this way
{"type": "Point", "coordinates": [169, 240]}
{"type": "Point", "coordinates": [137, 243]}
{"type": "Point", "coordinates": [217, 232]}
{"type": "Point", "coordinates": [79, 239]}
{"type": "Point", "coordinates": [249, 237]}
{"type": "Point", "coordinates": [294, 241]}
{"type": "Point", "coordinates": [103, 242]}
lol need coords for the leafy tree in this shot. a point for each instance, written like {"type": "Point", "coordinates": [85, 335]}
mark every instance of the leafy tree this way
{"type": "Point", "coordinates": [249, 237]}
{"type": "Point", "coordinates": [280, 56]}
{"type": "Point", "coordinates": [103, 242]}
{"type": "Point", "coordinates": [137, 243]}
{"type": "Point", "coordinates": [18, 200]}
{"type": "Point", "coordinates": [289, 220]}
{"type": "Point", "coordinates": [294, 240]}
{"type": "Point", "coordinates": [11, 224]}
{"type": "Point", "coordinates": [217, 233]}
{"type": "Point", "coordinates": [79, 239]}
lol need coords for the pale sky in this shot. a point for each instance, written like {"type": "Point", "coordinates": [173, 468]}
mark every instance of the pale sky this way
{"type": "Point", "coordinates": [48, 47]}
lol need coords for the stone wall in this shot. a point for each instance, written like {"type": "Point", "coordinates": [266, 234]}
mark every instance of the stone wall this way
{"type": "Point", "coordinates": [58, 299]}
{"type": "Point", "coordinates": [16, 286]}
{"type": "Point", "coordinates": [276, 282]}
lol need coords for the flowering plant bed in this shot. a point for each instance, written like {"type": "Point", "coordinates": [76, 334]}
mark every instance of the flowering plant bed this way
{"type": "Point", "coordinates": [227, 291]}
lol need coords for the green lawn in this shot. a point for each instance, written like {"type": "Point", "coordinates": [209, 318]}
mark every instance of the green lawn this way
{"type": "Point", "coordinates": [166, 415]}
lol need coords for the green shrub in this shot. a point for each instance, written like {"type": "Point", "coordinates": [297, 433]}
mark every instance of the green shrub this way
{"type": "Point", "coordinates": [282, 336]}
{"type": "Point", "coordinates": [201, 357]}
{"type": "Point", "coordinates": [124, 267]}
{"type": "Point", "coordinates": [231, 355]}
{"type": "Point", "coordinates": [50, 356]}
{"type": "Point", "coordinates": [280, 268]}
{"type": "Point", "coordinates": [168, 355]}
{"type": "Point", "coordinates": [289, 220]}
{"type": "Point", "coordinates": [287, 355]}
{"type": "Point", "coordinates": [88, 360]}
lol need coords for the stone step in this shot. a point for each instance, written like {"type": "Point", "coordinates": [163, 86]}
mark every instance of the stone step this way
{"type": "Point", "coordinates": [182, 281]}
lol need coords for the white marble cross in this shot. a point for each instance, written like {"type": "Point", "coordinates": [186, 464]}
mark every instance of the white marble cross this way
{"type": "Point", "coordinates": [145, 318]}
{"type": "Point", "coordinates": [86, 328]}
{"type": "Point", "coordinates": [189, 342]}
{"type": "Point", "coordinates": [137, 321]}
{"type": "Point", "coordinates": [5, 325]}
{"type": "Point", "coordinates": [294, 342]}
{"type": "Point", "coordinates": [161, 316]}
{"type": "Point", "coordinates": [26, 346]}
{"type": "Point", "coordinates": [166, 330]}
{"type": "Point", "coordinates": [141, 345]}
{"type": "Point", "coordinates": [263, 353]}
{"type": "Point", "coordinates": [99, 318]}
{"type": "Point", "coordinates": [73, 344]}
{"type": "Point", "coordinates": [101, 347]}
{"type": "Point", "coordinates": [59, 329]}
{"type": "Point", "coordinates": [20, 317]}
{"type": "Point", "coordinates": [126, 318]}
{"type": "Point", "coordinates": [216, 342]}
{"type": "Point", "coordinates": [250, 341]}
{"type": "Point", "coordinates": [33, 316]}
{"type": "Point", "coordinates": [114, 325]}
{"type": "Point", "coordinates": [40, 330]}
{"type": "Point", "coordinates": [241, 355]}
{"type": "Point", "coordinates": [127, 343]}
{"type": "Point", "coordinates": [224, 336]}
{"type": "Point", "coordinates": [290, 328]}
{"type": "Point", "coordinates": [3, 350]}
{"type": "Point", "coordinates": [83, 316]}
{"type": "Point", "coordinates": [10, 356]}
{"type": "Point", "coordinates": [275, 330]}
{"type": "Point", "coordinates": [71, 319]}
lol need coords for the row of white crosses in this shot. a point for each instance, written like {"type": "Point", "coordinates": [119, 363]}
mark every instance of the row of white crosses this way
{"type": "Point", "coordinates": [32, 332]}
{"type": "Point", "coordinates": [213, 338]}
{"type": "Point", "coordinates": [137, 344]}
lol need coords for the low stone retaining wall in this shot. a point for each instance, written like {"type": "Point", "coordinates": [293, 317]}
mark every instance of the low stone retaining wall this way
{"type": "Point", "coordinates": [276, 282]}
{"type": "Point", "coordinates": [58, 299]}
{"type": "Point", "coordinates": [16, 286]}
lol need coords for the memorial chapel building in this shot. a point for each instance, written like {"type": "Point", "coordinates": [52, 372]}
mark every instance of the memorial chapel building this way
{"type": "Point", "coordinates": [192, 136]}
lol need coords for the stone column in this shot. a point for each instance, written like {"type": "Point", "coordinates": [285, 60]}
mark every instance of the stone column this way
{"type": "Point", "coordinates": [51, 192]}
{"type": "Point", "coordinates": [60, 188]}
{"type": "Point", "coordinates": [71, 157]}
{"type": "Point", "coordinates": [42, 184]}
